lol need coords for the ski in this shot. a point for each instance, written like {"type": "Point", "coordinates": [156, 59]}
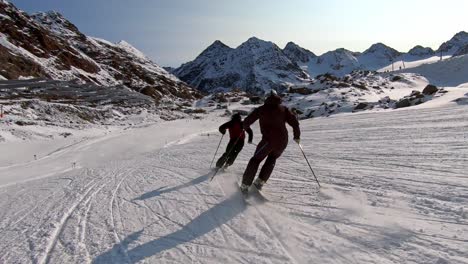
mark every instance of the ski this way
{"type": "Point", "coordinates": [253, 196]}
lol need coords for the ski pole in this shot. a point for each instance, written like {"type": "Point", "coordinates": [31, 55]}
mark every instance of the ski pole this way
{"type": "Point", "coordinates": [228, 153]}
{"type": "Point", "coordinates": [216, 150]}
{"type": "Point", "coordinates": [308, 163]}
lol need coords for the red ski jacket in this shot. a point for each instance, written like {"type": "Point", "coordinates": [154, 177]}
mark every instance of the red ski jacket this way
{"type": "Point", "coordinates": [236, 130]}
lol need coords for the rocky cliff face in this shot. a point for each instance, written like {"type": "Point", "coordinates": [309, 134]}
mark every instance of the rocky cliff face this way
{"type": "Point", "coordinates": [48, 45]}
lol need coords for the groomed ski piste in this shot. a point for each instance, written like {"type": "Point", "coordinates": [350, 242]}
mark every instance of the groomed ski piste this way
{"type": "Point", "coordinates": [394, 190]}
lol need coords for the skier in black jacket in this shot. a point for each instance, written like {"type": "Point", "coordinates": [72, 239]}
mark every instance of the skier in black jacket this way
{"type": "Point", "coordinates": [273, 117]}
{"type": "Point", "coordinates": [236, 142]}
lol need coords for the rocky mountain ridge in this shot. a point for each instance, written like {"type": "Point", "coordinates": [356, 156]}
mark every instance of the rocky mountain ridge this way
{"type": "Point", "coordinates": [47, 45]}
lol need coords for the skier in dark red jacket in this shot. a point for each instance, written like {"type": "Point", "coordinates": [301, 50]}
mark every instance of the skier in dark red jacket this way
{"type": "Point", "coordinates": [236, 142]}
{"type": "Point", "coordinates": [273, 118]}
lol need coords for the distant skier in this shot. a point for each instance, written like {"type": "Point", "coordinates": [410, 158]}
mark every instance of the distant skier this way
{"type": "Point", "coordinates": [236, 142]}
{"type": "Point", "coordinates": [273, 118]}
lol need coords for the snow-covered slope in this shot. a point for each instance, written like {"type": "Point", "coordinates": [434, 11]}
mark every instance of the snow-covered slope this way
{"type": "Point", "coordinates": [393, 191]}
{"type": "Point", "coordinates": [361, 90]}
{"type": "Point", "coordinates": [407, 62]}
{"type": "Point", "coordinates": [48, 45]}
{"type": "Point", "coordinates": [255, 66]}
{"type": "Point", "coordinates": [449, 72]}
{"type": "Point", "coordinates": [32, 106]}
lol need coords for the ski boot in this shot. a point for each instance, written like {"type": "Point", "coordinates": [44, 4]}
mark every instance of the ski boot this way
{"type": "Point", "coordinates": [244, 188]}
{"type": "Point", "coordinates": [258, 183]}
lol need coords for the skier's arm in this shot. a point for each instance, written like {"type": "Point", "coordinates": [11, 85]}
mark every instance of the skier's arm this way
{"type": "Point", "coordinates": [249, 131]}
{"type": "Point", "coordinates": [251, 118]}
{"type": "Point", "coordinates": [291, 119]}
{"type": "Point", "coordinates": [223, 127]}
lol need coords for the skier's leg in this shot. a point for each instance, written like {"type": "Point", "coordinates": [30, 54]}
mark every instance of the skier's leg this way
{"type": "Point", "coordinates": [267, 168]}
{"type": "Point", "coordinates": [260, 154]}
{"type": "Point", "coordinates": [221, 160]}
{"type": "Point", "coordinates": [237, 148]}
{"type": "Point", "coordinates": [269, 165]}
{"type": "Point", "coordinates": [224, 157]}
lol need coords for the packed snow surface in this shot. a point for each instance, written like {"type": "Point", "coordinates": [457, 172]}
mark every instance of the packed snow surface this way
{"type": "Point", "coordinates": [395, 190]}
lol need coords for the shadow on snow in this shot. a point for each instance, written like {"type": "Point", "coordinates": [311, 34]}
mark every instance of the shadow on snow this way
{"type": "Point", "coordinates": [163, 190]}
{"type": "Point", "coordinates": [206, 222]}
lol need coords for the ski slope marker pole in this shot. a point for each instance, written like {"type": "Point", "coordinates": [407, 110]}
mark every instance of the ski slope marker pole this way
{"type": "Point", "coordinates": [308, 163]}
{"type": "Point", "coordinates": [216, 151]}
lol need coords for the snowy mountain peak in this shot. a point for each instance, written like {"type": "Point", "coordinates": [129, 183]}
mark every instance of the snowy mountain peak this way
{"type": "Point", "coordinates": [131, 49]}
{"type": "Point", "coordinates": [57, 23]}
{"type": "Point", "coordinates": [292, 45]}
{"type": "Point", "coordinates": [215, 49]}
{"type": "Point", "coordinates": [377, 56]}
{"type": "Point", "coordinates": [340, 61]}
{"type": "Point", "coordinates": [455, 43]}
{"type": "Point", "coordinates": [342, 50]}
{"type": "Point", "coordinates": [421, 51]}
{"type": "Point", "coordinates": [218, 44]}
{"type": "Point", "coordinates": [255, 39]}
{"type": "Point", "coordinates": [380, 48]}
{"type": "Point", "coordinates": [256, 43]}
{"type": "Point", "coordinates": [376, 47]}
{"type": "Point", "coordinates": [298, 54]}
{"type": "Point", "coordinates": [462, 35]}
{"type": "Point", "coordinates": [53, 13]}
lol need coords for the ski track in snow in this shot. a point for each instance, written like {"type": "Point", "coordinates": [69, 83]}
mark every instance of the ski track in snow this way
{"type": "Point", "coordinates": [395, 190]}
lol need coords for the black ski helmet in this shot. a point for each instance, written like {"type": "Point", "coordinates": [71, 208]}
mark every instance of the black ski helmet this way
{"type": "Point", "coordinates": [236, 116]}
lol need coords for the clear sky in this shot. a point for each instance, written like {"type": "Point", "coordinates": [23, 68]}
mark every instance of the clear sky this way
{"type": "Point", "coordinates": [175, 31]}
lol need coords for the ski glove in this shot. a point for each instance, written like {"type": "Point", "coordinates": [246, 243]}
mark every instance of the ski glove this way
{"type": "Point", "coordinates": [223, 131]}
{"type": "Point", "coordinates": [298, 140]}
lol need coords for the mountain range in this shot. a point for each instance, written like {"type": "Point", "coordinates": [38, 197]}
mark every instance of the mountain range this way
{"type": "Point", "coordinates": [258, 65]}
